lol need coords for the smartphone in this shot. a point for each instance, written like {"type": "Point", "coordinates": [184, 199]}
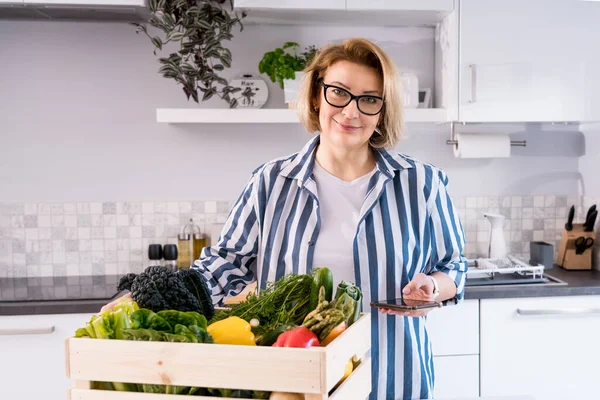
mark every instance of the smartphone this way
{"type": "Point", "coordinates": [405, 305]}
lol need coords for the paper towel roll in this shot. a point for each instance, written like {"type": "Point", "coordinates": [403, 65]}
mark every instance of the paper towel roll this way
{"type": "Point", "coordinates": [473, 145]}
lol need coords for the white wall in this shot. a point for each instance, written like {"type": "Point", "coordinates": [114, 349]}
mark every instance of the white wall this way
{"type": "Point", "coordinates": [78, 123]}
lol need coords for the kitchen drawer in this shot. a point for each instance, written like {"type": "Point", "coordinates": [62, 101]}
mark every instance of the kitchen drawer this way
{"type": "Point", "coordinates": [542, 347]}
{"type": "Point", "coordinates": [454, 330]}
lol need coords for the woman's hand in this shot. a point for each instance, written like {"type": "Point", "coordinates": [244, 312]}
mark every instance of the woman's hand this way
{"type": "Point", "coordinates": [421, 289]}
{"type": "Point", "coordinates": [113, 303]}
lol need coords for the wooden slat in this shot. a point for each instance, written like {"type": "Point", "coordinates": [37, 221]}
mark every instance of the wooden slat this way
{"type": "Point", "coordinates": [355, 341]}
{"type": "Point", "coordinates": [201, 365]}
{"type": "Point", "coordinates": [67, 355]}
{"type": "Point", "coordinates": [357, 385]}
{"type": "Point", "coordinates": [78, 394]}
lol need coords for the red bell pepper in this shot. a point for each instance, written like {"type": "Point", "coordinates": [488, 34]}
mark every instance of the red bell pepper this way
{"type": "Point", "coordinates": [298, 337]}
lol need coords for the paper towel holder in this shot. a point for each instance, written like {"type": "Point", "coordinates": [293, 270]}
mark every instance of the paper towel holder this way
{"type": "Point", "coordinates": [454, 142]}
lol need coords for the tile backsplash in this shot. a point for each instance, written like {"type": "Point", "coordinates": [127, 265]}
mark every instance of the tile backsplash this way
{"type": "Point", "coordinates": [105, 238]}
{"type": "Point", "coordinates": [93, 238]}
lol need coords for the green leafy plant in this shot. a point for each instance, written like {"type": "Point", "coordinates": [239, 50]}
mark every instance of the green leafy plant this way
{"type": "Point", "coordinates": [283, 62]}
{"type": "Point", "coordinates": [199, 28]}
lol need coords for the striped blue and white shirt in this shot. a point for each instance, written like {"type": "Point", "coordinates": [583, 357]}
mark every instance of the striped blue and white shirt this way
{"type": "Point", "coordinates": [407, 225]}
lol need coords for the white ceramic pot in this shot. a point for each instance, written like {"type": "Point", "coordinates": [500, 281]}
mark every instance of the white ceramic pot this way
{"type": "Point", "coordinates": [291, 88]}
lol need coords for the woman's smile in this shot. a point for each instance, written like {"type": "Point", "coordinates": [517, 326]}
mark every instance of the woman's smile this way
{"type": "Point", "coordinates": [347, 128]}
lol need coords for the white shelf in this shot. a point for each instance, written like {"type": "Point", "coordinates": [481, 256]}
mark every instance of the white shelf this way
{"type": "Point", "coordinates": [346, 18]}
{"type": "Point", "coordinates": [269, 116]}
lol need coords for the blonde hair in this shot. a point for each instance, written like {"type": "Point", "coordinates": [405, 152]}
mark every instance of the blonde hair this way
{"type": "Point", "coordinates": [359, 51]}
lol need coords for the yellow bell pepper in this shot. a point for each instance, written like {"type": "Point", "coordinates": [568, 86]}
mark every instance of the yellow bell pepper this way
{"type": "Point", "coordinates": [232, 330]}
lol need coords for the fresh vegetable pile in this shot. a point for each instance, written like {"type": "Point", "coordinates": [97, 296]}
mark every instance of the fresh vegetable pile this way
{"type": "Point", "coordinates": [297, 311]}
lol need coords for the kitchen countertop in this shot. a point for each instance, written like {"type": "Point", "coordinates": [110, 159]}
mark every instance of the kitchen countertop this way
{"type": "Point", "coordinates": [87, 294]}
{"type": "Point", "coordinates": [56, 295]}
{"type": "Point", "coordinates": [579, 283]}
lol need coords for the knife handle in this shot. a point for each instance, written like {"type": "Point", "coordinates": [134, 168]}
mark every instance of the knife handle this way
{"type": "Point", "coordinates": [590, 221]}
{"type": "Point", "coordinates": [569, 224]}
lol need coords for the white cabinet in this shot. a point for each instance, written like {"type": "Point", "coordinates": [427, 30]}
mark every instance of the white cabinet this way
{"type": "Point", "coordinates": [456, 377]}
{"type": "Point", "coordinates": [416, 13]}
{"type": "Point", "coordinates": [409, 5]}
{"type": "Point", "coordinates": [542, 347]}
{"type": "Point", "coordinates": [454, 335]}
{"type": "Point", "coordinates": [454, 330]}
{"type": "Point", "coordinates": [533, 60]}
{"type": "Point", "coordinates": [88, 3]}
{"type": "Point", "coordinates": [32, 349]}
{"type": "Point", "coordinates": [392, 5]}
{"type": "Point", "coordinates": [293, 4]}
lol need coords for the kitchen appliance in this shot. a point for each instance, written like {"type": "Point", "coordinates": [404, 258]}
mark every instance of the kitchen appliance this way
{"type": "Point", "coordinates": [497, 245]}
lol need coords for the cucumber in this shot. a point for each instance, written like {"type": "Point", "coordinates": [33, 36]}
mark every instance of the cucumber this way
{"type": "Point", "coordinates": [321, 277]}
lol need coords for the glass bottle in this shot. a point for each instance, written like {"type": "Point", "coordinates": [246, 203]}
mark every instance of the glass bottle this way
{"type": "Point", "coordinates": [185, 251]}
{"type": "Point", "coordinates": [199, 243]}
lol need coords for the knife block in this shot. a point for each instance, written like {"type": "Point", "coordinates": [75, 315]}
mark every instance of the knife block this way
{"type": "Point", "coordinates": [567, 255]}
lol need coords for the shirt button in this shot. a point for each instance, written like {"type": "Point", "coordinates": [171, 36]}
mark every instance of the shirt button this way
{"type": "Point", "coordinates": [310, 242]}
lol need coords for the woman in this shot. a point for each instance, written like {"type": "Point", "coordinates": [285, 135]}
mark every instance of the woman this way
{"type": "Point", "coordinates": [377, 218]}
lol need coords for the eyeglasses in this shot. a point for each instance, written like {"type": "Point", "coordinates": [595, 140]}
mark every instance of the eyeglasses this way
{"type": "Point", "coordinates": [340, 98]}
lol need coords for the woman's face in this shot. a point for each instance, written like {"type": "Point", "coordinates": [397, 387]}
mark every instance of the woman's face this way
{"type": "Point", "coordinates": [347, 128]}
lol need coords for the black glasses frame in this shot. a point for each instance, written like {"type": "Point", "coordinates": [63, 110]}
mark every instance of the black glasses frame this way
{"type": "Point", "coordinates": [352, 97]}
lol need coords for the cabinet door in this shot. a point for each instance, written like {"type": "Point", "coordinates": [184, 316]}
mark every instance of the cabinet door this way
{"type": "Point", "coordinates": [456, 377]}
{"type": "Point", "coordinates": [542, 347]}
{"type": "Point", "coordinates": [454, 330]}
{"type": "Point", "coordinates": [533, 60]}
{"type": "Point", "coordinates": [135, 3]}
{"type": "Point", "coordinates": [33, 355]}
{"type": "Point", "coordinates": [293, 4]}
{"type": "Point", "coordinates": [399, 5]}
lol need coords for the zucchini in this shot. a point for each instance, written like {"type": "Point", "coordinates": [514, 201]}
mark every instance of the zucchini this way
{"type": "Point", "coordinates": [271, 337]}
{"type": "Point", "coordinates": [322, 277]}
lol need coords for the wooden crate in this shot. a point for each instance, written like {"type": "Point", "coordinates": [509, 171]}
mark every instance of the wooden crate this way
{"type": "Point", "coordinates": [314, 371]}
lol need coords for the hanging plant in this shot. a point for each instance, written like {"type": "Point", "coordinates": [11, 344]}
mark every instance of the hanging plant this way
{"type": "Point", "coordinates": [199, 27]}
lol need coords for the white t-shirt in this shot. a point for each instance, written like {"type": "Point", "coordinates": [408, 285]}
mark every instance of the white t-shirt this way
{"type": "Point", "coordinates": [340, 203]}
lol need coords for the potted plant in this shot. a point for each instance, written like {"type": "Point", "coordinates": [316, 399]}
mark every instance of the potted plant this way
{"type": "Point", "coordinates": [198, 28]}
{"type": "Point", "coordinates": [281, 65]}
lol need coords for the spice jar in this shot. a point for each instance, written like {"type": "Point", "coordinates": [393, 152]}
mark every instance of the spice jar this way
{"type": "Point", "coordinates": [155, 254]}
{"type": "Point", "coordinates": [170, 255]}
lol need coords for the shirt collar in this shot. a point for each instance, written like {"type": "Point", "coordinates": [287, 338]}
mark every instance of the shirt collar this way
{"type": "Point", "coordinates": [301, 165]}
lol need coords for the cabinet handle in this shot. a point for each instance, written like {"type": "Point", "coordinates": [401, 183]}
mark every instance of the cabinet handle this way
{"type": "Point", "coordinates": [564, 311]}
{"type": "Point", "coordinates": [473, 83]}
{"type": "Point", "coordinates": [27, 331]}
